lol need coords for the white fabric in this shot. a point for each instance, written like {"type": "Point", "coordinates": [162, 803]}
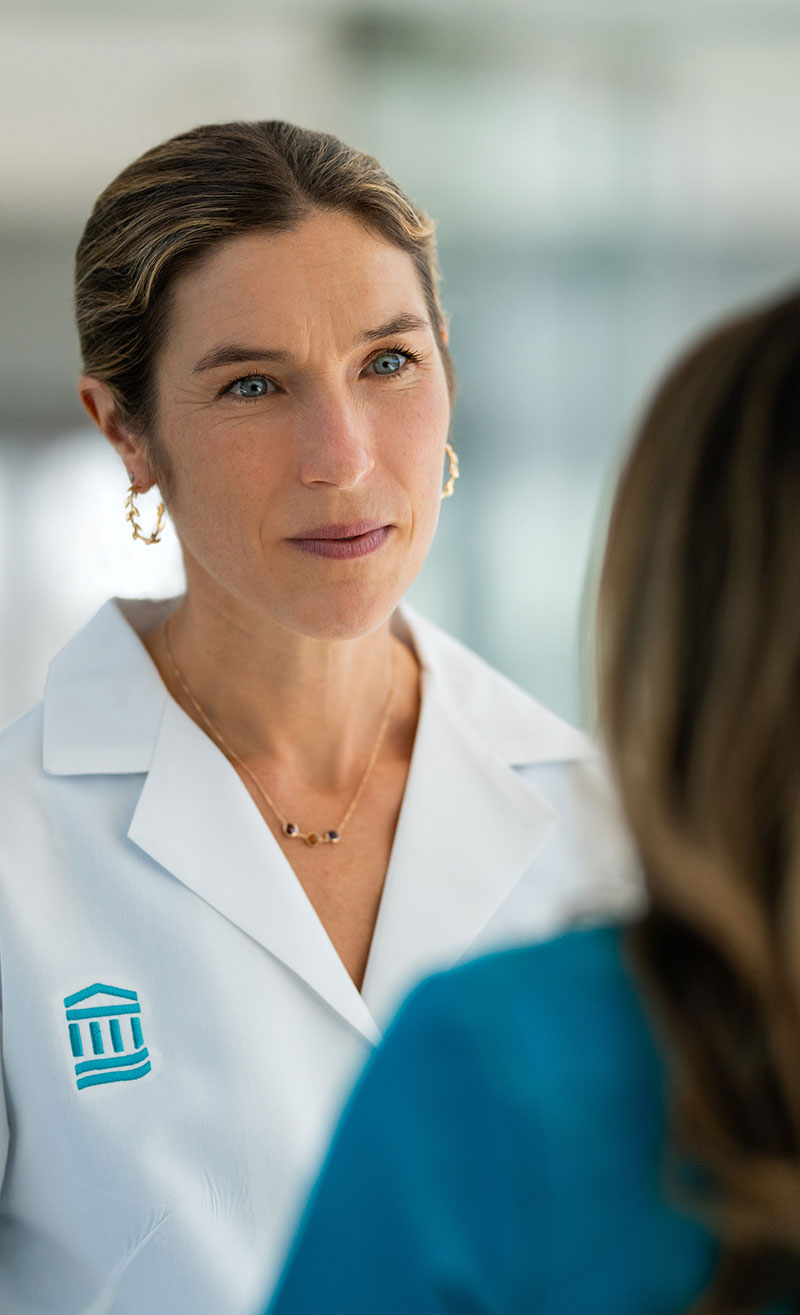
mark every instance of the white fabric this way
{"type": "Point", "coordinates": [132, 856]}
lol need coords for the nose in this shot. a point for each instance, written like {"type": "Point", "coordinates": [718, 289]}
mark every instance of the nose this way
{"type": "Point", "coordinates": [337, 450]}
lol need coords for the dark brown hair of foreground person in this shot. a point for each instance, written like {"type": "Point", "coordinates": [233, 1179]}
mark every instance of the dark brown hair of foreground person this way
{"type": "Point", "coordinates": [170, 208]}
{"type": "Point", "coordinates": [699, 679]}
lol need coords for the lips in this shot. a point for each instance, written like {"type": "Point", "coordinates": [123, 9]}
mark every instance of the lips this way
{"type": "Point", "coordinates": [345, 530]}
{"type": "Point", "coordinates": [343, 541]}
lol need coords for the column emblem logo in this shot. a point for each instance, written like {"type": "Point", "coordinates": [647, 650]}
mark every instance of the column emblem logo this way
{"type": "Point", "coordinates": [105, 1035]}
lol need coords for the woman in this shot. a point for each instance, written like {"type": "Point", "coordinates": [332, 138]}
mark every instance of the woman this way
{"type": "Point", "coordinates": [245, 822]}
{"type": "Point", "coordinates": [609, 1123]}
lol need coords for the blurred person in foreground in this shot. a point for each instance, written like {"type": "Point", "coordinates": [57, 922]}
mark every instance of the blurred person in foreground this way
{"type": "Point", "coordinates": [609, 1123]}
{"type": "Point", "coordinates": [244, 822]}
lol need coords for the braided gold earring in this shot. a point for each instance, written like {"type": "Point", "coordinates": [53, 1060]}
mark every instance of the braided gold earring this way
{"type": "Point", "coordinates": [455, 473]}
{"type": "Point", "coordinates": [132, 515]}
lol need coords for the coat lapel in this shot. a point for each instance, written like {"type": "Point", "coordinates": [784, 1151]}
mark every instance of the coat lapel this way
{"type": "Point", "coordinates": [469, 828]}
{"type": "Point", "coordinates": [104, 698]}
{"type": "Point", "coordinates": [198, 821]}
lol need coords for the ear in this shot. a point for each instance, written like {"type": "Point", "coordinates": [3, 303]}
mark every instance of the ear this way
{"type": "Point", "coordinates": [102, 406]}
{"type": "Point", "coordinates": [445, 333]}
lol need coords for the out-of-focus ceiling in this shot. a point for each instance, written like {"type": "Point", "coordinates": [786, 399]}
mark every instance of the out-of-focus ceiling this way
{"type": "Point", "coordinates": [551, 121]}
{"type": "Point", "coordinates": [663, 12]}
{"type": "Point", "coordinates": [84, 88]}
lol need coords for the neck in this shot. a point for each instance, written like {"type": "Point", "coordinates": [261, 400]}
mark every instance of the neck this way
{"type": "Point", "coordinates": [310, 708]}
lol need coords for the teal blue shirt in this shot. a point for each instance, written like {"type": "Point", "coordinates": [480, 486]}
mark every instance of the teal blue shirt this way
{"type": "Point", "coordinates": [504, 1154]}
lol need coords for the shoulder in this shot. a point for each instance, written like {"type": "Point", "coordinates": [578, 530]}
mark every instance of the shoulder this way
{"type": "Point", "coordinates": [557, 1026]}
{"type": "Point", "coordinates": [30, 801]}
{"type": "Point", "coordinates": [550, 1046]}
{"type": "Point", "coordinates": [571, 996]}
{"type": "Point", "coordinates": [21, 746]}
{"type": "Point", "coordinates": [35, 806]}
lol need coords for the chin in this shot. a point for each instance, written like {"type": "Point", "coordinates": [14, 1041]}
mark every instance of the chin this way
{"type": "Point", "coordinates": [338, 613]}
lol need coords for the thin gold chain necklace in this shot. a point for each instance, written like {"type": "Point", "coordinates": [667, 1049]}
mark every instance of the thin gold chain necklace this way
{"type": "Point", "coordinates": [290, 829]}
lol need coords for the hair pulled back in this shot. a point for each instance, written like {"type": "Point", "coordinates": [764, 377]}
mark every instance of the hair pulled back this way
{"type": "Point", "coordinates": [170, 207]}
{"type": "Point", "coordinates": [699, 679]}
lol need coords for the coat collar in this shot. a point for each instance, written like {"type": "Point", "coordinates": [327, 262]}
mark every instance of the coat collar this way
{"type": "Point", "coordinates": [469, 827]}
{"type": "Point", "coordinates": [104, 699]}
{"type": "Point", "coordinates": [520, 731]}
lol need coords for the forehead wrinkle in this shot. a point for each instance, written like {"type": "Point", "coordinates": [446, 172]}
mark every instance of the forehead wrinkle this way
{"type": "Point", "coordinates": [320, 296]}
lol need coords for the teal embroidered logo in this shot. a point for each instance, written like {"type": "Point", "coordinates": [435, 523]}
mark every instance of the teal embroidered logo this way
{"type": "Point", "coordinates": [105, 1034]}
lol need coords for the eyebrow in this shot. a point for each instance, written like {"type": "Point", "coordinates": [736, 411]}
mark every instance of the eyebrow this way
{"type": "Point", "coordinates": [236, 354]}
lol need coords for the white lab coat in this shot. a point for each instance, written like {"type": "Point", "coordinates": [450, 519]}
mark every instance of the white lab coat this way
{"type": "Point", "coordinates": [141, 890]}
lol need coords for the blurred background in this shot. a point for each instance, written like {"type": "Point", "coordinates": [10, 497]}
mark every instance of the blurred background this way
{"type": "Point", "coordinates": [607, 176]}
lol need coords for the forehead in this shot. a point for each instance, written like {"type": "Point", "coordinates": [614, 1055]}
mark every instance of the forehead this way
{"type": "Point", "coordinates": [329, 275]}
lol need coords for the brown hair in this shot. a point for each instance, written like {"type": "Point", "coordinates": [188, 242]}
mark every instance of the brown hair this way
{"type": "Point", "coordinates": [169, 208]}
{"type": "Point", "coordinates": [699, 680]}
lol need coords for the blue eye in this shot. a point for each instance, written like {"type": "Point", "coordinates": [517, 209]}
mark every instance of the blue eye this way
{"type": "Point", "coordinates": [251, 386]}
{"type": "Point", "coordinates": [389, 362]}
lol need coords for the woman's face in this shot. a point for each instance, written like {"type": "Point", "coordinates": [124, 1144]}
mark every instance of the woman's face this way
{"type": "Point", "coordinates": [302, 411]}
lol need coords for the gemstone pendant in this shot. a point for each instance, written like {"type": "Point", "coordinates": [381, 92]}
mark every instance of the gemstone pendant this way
{"type": "Point", "coordinates": [311, 838]}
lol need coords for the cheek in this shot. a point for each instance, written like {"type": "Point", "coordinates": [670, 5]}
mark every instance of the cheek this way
{"type": "Point", "coordinates": [421, 446]}
{"type": "Point", "coordinates": [223, 480]}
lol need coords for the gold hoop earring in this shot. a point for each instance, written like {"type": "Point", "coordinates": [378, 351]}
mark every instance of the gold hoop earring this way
{"type": "Point", "coordinates": [455, 473]}
{"type": "Point", "coordinates": [132, 516]}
